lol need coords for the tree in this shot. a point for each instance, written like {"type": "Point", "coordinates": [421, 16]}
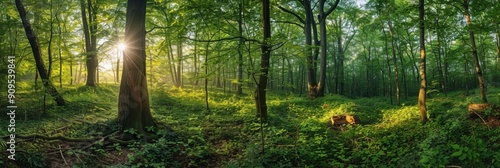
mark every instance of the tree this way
{"type": "Point", "coordinates": [320, 88]}
{"type": "Point", "coordinates": [474, 52]}
{"type": "Point", "coordinates": [423, 83]}
{"type": "Point", "coordinates": [133, 101]}
{"type": "Point", "coordinates": [35, 48]}
{"type": "Point", "coordinates": [89, 31]}
{"type": "Point", "coordinates": [260, 92]}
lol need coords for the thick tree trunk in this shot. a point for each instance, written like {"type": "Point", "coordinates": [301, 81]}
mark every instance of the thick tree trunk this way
{"type": "Point", "coordinates": [479, 73]}
{"type": "Point", "coordinates": [260, 92]}
{"type": "Point", "coordinates": [35, 47]}
{"type": "Point", "coordinates": [311, 70]}
{"type": "Point", "coordinates": [423, 83]}
{"type": "Point", "coordinates": [133, 106]}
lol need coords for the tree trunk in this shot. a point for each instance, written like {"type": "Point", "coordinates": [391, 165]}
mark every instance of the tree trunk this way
{"type": "Point", "coordinates": [195, 59]}
{"type": "Point", "coordinates": [178, 74]}
{"type": "Point", "coordinates": [49, 47]}
{"type": "Point", "coordinates": [260, 92]}
{"type": "Point", "coordinates": [241, 44]}
{"type": "Point", "coordinates": [498, 47]}
{"type": "Point", "coordinates": [311, 71]}
{"type": "Point", "coordinates": [479, 73]}
{"type": "Point", "coordinates": [90, 41]}
{"type": "Point", "coordinates": [439, 60]}
{"type": "Point", "coordinates": [133, 105]}
{"type": "Point", "coordinates": [323, 43]}
{"type": "Point", "coordinates": [171, 65]}
{"type": "Point", "coordinates": [33, 40]}
{"type": "Point", "coordinates": [423, 83]}
{"type": "Point", "coordinates": [389, 80]}
{"type": "Point", "coordinates": [394, 61]}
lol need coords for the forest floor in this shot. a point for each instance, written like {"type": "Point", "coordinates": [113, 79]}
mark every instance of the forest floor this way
{"type": "Point", "coordinates": [298, 133]}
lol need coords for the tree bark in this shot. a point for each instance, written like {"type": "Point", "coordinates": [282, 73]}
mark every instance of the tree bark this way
{"type": "Point", "coordinates": [498, 47]}
{"type": "Point", "coordinates": [311, 70]}
{"type": "Point", "coordinates": [394, 61]}
{"type": "Point", "coordinates": [323, 43]}
{"type": "Point", "coordinates": [133, 106]}
{"type": "Point", "coordinates": [479, 73]}
{"type": "Point", "coordinates": [90, 41]}
{"type": "Point", "coordinates": [35, 47]}
{"type": "Point", "coordinates": [423, 83]}
{"type": "Point", "coordinates": [178, 75]}
{"type": "Point", "coordinates": [241, 44]}
{"type": "Point", "coordinates": [260, 92]}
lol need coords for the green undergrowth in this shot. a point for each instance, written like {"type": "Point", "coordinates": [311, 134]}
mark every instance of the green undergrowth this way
{"type": "Point", "coordinates": [297, 134]}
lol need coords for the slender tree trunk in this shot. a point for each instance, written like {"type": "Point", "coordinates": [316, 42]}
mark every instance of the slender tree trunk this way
{"type": "Point", "coordinates": [394, 61]}
{"type": "Point", "coordinates": [49, 47]}
{"type": "Point", "coordinates": [206, 76]}
{"type": "Point", "coordinates": [178, 76]}
{"type": "Point", "coordinates": [389, 78]}
{"type": "Point", "coordinates": [498, 46]}
{"type": "Point", "coordinates": [479, 73]}
{"type": "Point", "coordinates": [195, 59]}
{"type": "Point", "coordinates": [241, 44]}
{"type": "Point", "coordinates": [133, 101]}
{"type": "Point", "coordinates": [260, 92]}
{"type": "Point", "coordinates": [290, 75]}
{"type": "Point", "coordinates": [170, 62]}
{"type": "Point", "coordinates": [403, 74]}
{"type": "Point", "coordinates": [33, 40]}
{"type": "Point", "coordinates": [466, 71]}
{"type": "Point", "coordinates": [60, 49]}
{"type": "Point", "coordinates": [423, 83]}
{"type": "Point", "coordinates": [439, 63]}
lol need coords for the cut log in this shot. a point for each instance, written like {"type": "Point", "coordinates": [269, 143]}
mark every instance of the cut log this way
{"type": "Point", "coordinates": [344, 120]}
{"type": "Point", "coordinates": [486, 109]}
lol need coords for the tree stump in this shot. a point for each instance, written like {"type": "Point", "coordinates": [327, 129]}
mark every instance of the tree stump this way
{"type": "Point", "coordinates": [474, 110]}
{"type": "Point", "coordinates": [345, 119]}
{"type": "Point", "coordinates": [488, 113]}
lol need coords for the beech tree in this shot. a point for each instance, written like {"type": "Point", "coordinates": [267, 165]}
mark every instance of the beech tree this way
{"type": "Point", "coordinates": [479, 73]}
{"type": "Point", "coordinates": [133, 101]}
{"type": "Point", "coordinates": [423, 83]}
{"type": "Point", "coordinates": [37, 54]}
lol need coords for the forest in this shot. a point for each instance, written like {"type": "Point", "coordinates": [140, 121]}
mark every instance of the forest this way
{"type": "Point", "coordinates": [249, 83]}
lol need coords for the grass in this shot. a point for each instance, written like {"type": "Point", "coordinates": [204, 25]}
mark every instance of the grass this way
{"type": "Point", "coordinates": [298, 133]}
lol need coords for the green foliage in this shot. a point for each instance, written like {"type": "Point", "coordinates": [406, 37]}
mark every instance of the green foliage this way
{"type": "Point", "coordinates": [298, 133]}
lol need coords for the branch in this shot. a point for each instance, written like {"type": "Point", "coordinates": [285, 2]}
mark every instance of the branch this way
{"type": "Point", "coordinates": [332, 7]}
{"type": "Point", "coordinates": [290, 22]}
{"type": "Point", "coordinates": [222, 39]}
{"type": "Point", "coordinates": [292, 13]}
{"type": "Point", "coordinates": [156, 27]}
